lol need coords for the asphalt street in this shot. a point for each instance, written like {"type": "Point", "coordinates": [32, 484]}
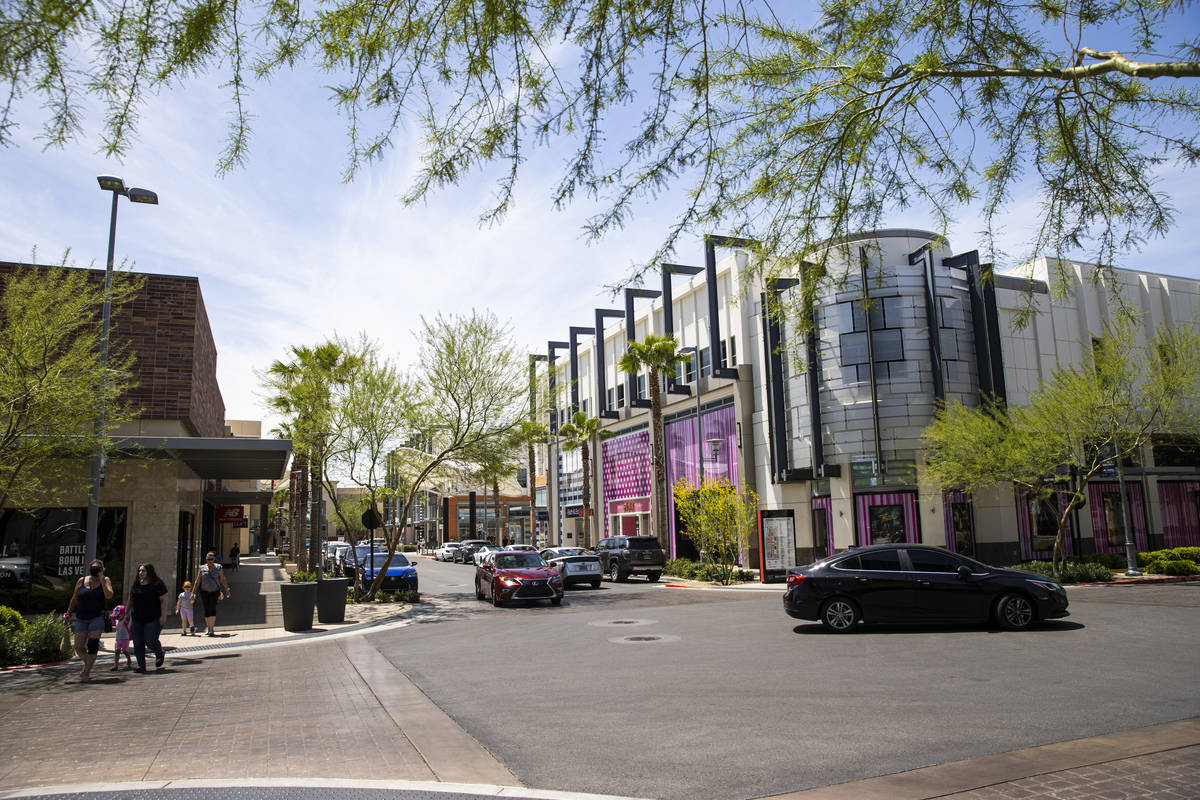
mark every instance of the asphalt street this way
{"type": "Point", "coordinates": [635, 689]}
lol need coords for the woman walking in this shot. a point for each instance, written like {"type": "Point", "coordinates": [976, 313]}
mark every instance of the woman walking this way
{"type": "Point", "coordinates": [148, 614]}
{"type": "Point", "coordinates": [87, 606]}
{"type": "Point", "coordinates": [211, 581]}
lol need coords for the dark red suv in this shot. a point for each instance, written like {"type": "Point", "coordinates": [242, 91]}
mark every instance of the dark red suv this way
{"type": "Point", "coordinates": [506, 575]}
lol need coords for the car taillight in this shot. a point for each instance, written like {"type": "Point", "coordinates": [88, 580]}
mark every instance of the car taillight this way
{"type": "Point", "coordinates": [795, 579]}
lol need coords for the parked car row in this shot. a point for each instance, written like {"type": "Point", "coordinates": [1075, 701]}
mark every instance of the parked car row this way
{"type": "Point", "coordinates": [616, 557]}
{"type": "Point", "coordinates": [346, 560]}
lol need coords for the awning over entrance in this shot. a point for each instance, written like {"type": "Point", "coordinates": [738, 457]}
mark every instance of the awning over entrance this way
{"type": "Point", "coordinates": [218, 459]}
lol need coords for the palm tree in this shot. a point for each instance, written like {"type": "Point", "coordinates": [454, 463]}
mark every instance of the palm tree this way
{"type": "Point", "coordinates": [578, 434]}
{"type": "Point", "coordinates": [302, 391]}
{"type": "Point", "coordinates": [658, 355]}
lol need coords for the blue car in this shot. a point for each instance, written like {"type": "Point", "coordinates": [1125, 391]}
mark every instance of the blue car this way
{"type": "Point", "coordinates": [401, 573]}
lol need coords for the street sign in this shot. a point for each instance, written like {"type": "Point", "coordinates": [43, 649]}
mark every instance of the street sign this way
{"type": "Point", "coordinates": [371, 519]}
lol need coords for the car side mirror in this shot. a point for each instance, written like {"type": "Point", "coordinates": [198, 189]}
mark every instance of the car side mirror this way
{"type": "Point", "coordinates": [964, 572]}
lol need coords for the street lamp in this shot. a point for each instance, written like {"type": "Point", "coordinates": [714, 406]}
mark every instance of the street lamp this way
{"type": "Point", "coordinates": [108, 183]}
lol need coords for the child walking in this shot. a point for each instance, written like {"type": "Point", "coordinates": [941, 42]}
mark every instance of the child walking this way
{"type": "Point", "coordinates": [183, 607]}
{"type": "Point", "coordinates": [120, 618]}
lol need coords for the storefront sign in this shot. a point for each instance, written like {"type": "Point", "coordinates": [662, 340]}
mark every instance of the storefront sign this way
{"type": "Point", "coordinates": [573, 512]}
{"type": "Point", "coordinates": [229, 514]}
{"type": "Point", "coordinates": [638, 506]}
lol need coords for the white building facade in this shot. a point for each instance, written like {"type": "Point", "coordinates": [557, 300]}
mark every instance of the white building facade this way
{"type": "Point", "coordinates": [825, 423]}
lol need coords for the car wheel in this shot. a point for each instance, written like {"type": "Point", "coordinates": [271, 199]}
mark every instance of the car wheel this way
{"type": "Point", "coordinates": [839, 615]}
{"type": "Point", "coordinates": [1014, 612]}
{"type": "Point", "coordinates": [478, 591]}
{"type": "Point", "coordinates": [596, 584]}
{"type": "Point", "coordinates": [495, 601]}
{"type": "Point", "coordinates": [556, 601]}
{"type": "Point", "coordinates": [652, 577]}
{"type": "Point", "coordinates": [614, 572]}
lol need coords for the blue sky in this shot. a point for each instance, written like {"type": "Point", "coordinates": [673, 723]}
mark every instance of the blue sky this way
{"type": "Point", "coordinates": [287, 253]}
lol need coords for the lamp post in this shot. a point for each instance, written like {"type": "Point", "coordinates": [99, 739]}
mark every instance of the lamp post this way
{"type": "Point", "coordinates": [108, 183]}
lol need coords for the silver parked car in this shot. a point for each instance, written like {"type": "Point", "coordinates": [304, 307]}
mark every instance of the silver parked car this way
{"type": "Point", "coordinates": [574, 564]}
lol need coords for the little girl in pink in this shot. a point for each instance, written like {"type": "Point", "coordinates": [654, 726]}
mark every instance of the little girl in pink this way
{"type": "Point", "coordinates": [120, 618]}
{"type": "Point", "coordinates": [183, 607]}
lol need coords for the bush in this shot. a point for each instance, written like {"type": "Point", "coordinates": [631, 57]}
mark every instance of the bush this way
{"type": "Point", "coordinates": [1173, 566]}
{"type": "Point", "coordinates": [1073, 571]}
{"type": "Point", "coordinates": [408, 548]}
{"type": "Point", "coordinates": [11, 620]}
{"type": "Point", "coordinates": [303, 577]}
{"type": "Point", "coordinates": [41, 641]}
{"type": "Point", "coordinates": [1110, 560]}
{"type": "Point", "coordinates": [680, 568]}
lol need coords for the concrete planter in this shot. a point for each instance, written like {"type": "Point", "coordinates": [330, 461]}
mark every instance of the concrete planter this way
{"type": "Point", "coordinates": [331, 599]}
{"type": "Point", "coordinates": [298, 600]}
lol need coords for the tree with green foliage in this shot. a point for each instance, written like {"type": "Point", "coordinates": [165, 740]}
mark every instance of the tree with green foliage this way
{"type": "Point", "coordinates": [789, 126]}
{"type": "Point", "coordinates": [52, 381]}
{"type": "Point", "coordinates": [1082, 422]}
{"type": "Point", "coordinates": [720, 520]}
{"type": "Point", "coordinates": [658, 356]}
{"type": "Point", "coordinates": [578, 434]}
{"type": "Point", "coordinates": [463, 396]}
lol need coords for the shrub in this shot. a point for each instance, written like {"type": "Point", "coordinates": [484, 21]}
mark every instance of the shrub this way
{"type": "Point", "coordinates": [1173, 566]}
{"type": "Point", "coordinates": [303, 577]}
{"type": "Point", "coordinates": [680, 568]}
{"type": "Point", "coordinates": [11, 620]}
{"type": "Point", "coordinates": [407, 596]}
{"type": "Point", "coordinates": [1073, 571]}
{"type": "Point", "coordinates": [1110, 560]}
{"type": "Point", "coordinates": [408, 548]}
{"type": "Point", "coordinates": [41, 641]}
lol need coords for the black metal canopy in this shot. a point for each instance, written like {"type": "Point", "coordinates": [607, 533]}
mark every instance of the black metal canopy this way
{"type": "Point", "coordinates": [215, 458]}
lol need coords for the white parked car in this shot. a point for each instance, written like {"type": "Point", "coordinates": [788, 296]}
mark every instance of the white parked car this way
{"type": "Point", "coordinates": [446, 551]}
{"type": "Point", "coordinates": [575, 565]}
{"type": "Point", "coordinates": [521, 548]}
{"type": "Point", "coordinates": [481, 551]}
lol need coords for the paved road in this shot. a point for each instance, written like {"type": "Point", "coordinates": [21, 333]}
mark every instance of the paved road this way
{"type": "Point", "coordinates": [736, 700]}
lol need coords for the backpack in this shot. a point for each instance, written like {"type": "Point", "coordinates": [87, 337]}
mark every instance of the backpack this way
{"type": "Point", "coordinates": [210, 580]}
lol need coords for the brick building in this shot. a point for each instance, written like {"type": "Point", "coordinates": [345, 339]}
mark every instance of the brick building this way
{"type": "Point", "coordinates": [169, 470]}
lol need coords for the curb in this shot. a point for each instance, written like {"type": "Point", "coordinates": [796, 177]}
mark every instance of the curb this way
{"type": "Point", "coordinates": [1144, 581]}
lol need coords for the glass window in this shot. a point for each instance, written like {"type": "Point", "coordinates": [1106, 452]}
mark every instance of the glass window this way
{"type": "Point", "coordinates": [620, 397]}
{"type": "Point", "coordinates": [880, 561]}
{"type": "Point", "coordinates": [612, 398]}
{"type": "Point", "coordinates": [848, 563]}
{"type": "Point", "coordinates": [43, 551]}
{"type": "Point", "coordinates": [933, 561]}
{"type": "Point", "coordinates": [641, 387]}
{"type": "Point", "coordinates": [886, 523]}
{"type": "Point", "coordinates": [690, 369]}
{"type": "Point", "coordinates": [706, 361]}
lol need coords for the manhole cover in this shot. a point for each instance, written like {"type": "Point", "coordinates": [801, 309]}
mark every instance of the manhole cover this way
{"type": "Point", "coordinates": [616, 623]}
{"type": "Point", "coordinates": [643, 639]}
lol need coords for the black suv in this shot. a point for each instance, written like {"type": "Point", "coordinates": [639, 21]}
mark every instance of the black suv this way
{"type": "Point", "coordinates": [622, 556]}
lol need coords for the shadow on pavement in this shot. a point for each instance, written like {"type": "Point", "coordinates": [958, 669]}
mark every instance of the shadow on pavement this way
{"type": "Point", "coordinates": [1049, 626]}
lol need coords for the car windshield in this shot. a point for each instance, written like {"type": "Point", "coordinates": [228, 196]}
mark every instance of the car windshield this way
{"type": "Point", "coordinates": [398, 560]}
{"type": "Point", "coordinates": [643, 543]}
{"type": "Point", "coordinates": [511, 560]}
{"type": "Point", "coordinates": [571, 551]}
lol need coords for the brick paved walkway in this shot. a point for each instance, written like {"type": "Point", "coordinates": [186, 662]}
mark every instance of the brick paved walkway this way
{"type": "Point", "coordinates": [1163, 776]}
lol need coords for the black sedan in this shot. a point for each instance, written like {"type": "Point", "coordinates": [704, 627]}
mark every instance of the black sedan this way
{"type": "Point", "coordinates": [918, 584]}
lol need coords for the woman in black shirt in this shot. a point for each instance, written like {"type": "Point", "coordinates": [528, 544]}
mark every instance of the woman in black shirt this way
{"type": "Point", "coordinates": [148, 614]}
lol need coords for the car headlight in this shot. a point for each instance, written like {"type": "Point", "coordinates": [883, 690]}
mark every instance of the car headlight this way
{"type": "Point", "coordinates": [510, 581]}
{"type": "Point", "coordinates": [1049, 586]}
